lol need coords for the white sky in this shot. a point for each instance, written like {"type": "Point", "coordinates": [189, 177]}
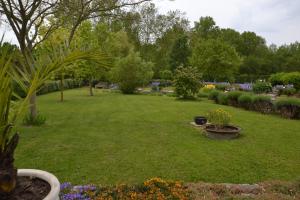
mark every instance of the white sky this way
{"type": "Point", "coordinates": [278, 21]}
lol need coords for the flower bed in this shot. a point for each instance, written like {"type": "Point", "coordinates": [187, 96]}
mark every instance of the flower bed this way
{"type": "Point", "coordinates": [155, 188]}
{"type": "Point", "coordinates": [158, 189]}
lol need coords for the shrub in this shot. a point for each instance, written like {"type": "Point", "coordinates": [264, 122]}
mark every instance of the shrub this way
{"type": "Point", "coordinates": [245, 101]}
{"type": "Point", "coordinates": [277, 79]}
{"type": "Point", "coordinates": [221, 87]}
{"type": "Point", "coordinates": [289, 108]}
{"type": "Point", "coordinates": [287, 91]}
{"type": "Point", "coordinates": [210, 86]}
{"type": "Point", "coordinates": [187, 82]}
{"type": "Point", "coordinates": [222, 99]}
{"type": "Point", "coordinates": [131, 72]}
{"type": "Point", "coordinates": [262, 104]}
{"type": "Point", "coordinates": [262, 87]}
{"type": "Point", "coordinates": [166, 75]}
{"type": "Point", "coordinates": [219, 118]}
{"type": "Point", "coordinates": [286, 78]}
{"type": "Point", "coordinates": [292, 78]}
{"type": "Point", "coordinates": [202, 94]}
{"type": "Point", "coordinates": [206, 90]}
{"type": "Point", "coordinates": [34, 121]}
{"type": "Point", "coordinates": [233, 98]}
{"type": "Point", "coordinates": [213, 95]}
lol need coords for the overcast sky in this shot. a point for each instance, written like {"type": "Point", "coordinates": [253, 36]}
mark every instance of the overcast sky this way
{"type": "Point", "coordinates": [278, 21]}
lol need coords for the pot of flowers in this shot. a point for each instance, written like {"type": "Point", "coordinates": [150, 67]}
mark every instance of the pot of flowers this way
{"type": "Point", "coordinates": [219, 127]}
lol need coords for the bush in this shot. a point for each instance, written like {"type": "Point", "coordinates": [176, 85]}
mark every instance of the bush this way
{"type": "Point", "coordinates": [262, 104]}
{"type": "Point", "coordinates": [202, 94]}
{"type": "Point", "coordinates": [292, 78]}
{"type": "Point", "coordinates": [286, 78]}
{"type": "Point", "coordinates": [233, 98]}
{"type": "Point", "coordinates": [37, 121]}
{"type": "Point", "coordinates": [213, 95]}
{"type": "Point", "coordinates": [166, 75]}
{"type": "Point", "coordinates": [287, 91]}
{"type": "Point", "coordinates": [289, 108]}
{"type": "Point", "coordinates": [277, 79]}
{"type": "Point", "coordinates": [219, 118]}
{"type": "Point", "coordinates": [262, 87]}
{"type": "Point", "coordinates": [245, 101]}
{"type": "Point", "coordinates": [222, 99]}
{"type": "Point", "coordinates": [221, 87]}
{"type": "Point", "coordinates": [187, 82]}
{"type": "Point", "coordinates": [131, 72]}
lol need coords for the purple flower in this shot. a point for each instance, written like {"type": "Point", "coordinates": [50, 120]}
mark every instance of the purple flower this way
{"type": "Point", "coordinates": [66, 185]}
{"type": "Point", "coordinates": [84, 188]}
{"type": "Point", "coordinates": [75, 196]}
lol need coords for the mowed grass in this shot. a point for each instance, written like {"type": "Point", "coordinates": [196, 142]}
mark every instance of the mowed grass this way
{"type": "Point", "coordinates": [113, 138]}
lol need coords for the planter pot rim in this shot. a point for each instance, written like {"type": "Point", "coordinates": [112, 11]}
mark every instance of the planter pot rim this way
{"type": "Point", "coordinates": [235, 129]}
{"type": "Point", "coordinates": [46, 176]}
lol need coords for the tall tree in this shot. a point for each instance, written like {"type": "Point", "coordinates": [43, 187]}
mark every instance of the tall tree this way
{"type": "Point", "coordinates": [27, 18]}
{"type": "Point", "coordinates": [217, 60]}
{"type": "Point", "coordinates": [180, 53]}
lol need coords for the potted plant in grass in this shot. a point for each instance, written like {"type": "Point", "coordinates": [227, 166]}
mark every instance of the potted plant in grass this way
{"type": "Point", "coordinates": [26, 184]}
{"type": "Point", "coordinates": [219, 127]}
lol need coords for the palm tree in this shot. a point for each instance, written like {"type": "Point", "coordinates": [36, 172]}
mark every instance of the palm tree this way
{"type": "Point", "coordinates": [30, 80]}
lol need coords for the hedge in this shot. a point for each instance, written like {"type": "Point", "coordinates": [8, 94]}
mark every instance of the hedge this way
{"type": "Point", "coordinates": [288, 108]}
{"type": "Point", "coordinates": [50, 86]}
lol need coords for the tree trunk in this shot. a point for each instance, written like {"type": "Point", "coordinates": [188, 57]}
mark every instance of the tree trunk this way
{"type": "Point", "coordinates": [91, 88]}
{"type": "Point", "coordinates": [33, 107]}
{"type": "Point", "coordinates": [8, 172]}
{"type": "Point", "coordinates": [61, 88]}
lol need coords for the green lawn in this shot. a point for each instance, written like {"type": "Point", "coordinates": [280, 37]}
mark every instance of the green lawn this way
{"type": "Point", "coordinates": [113, 138]}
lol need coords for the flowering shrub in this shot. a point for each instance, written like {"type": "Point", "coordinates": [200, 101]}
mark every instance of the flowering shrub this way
{"type": "Point", "coordinates": [262, 87]}
{"type": "Point", "coordinates": [187, 82]}
{"type": "Point", "coordinates": [156, 189]}
{"type": "Point", "coordinates": [210, 86]}
{"type": "Point", "coordinates": [219, 118]}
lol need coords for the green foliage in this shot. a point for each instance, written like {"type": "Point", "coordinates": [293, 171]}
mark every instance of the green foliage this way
{"type": "Point", "coordinates": [219, 118]}
{"type": "Point", "coordinates": [245, 101]}
{"type": "Point", "coordinates": [292, 78]}
{"type": "Point", "coordinates": [287, 91]}
{"type": "Point", "coordinates": [286, 78]}
{"type": "Point", "coordinates": [213, 95]}
{"type": "Point", "coordinates": [262, 87]}
{"type": "Point", "coordinates": [34, 121]}
{"type": "Point", "coordinates": [53, 86]}
{"type": "Point", "coordinates": [277, 79]}
{"type": "Point", "coordinates": [222, 99]}
{"type": "Point", "coordinates": [221, 87]}
{"type": "Point", "coordinates": [262, 104]}
{"type": "Point", "coordinates": [187, 82]}
{"type": "Point", "coordinates": [131, 72]}
{"type": "Point", "coordinates": [289, 107]}
{"type": "Point", "coordinates": [166, 75]}
{"type": "Point", "coordinates": [217, 60]}
{"type": "Point", "coordinates": [233, 97]}
{"type": "Point", "coordinates": [180, 53]}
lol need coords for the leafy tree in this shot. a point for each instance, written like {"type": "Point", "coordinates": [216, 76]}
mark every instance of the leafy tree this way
{"type": "Point", "coordinates": [28, 19]}
{"type": "Point", "coordinates": [217, 60]}
{"type": "Point", "coordinates": [131, 72]}
{"type": "Point", "coordinates": [180, 53]}
{"type": "Point", "coordinates": [187, 82]}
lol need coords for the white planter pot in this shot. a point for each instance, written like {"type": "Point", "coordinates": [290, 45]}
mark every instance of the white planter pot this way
{"type": "Point", "coordinates": [46, 176]}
